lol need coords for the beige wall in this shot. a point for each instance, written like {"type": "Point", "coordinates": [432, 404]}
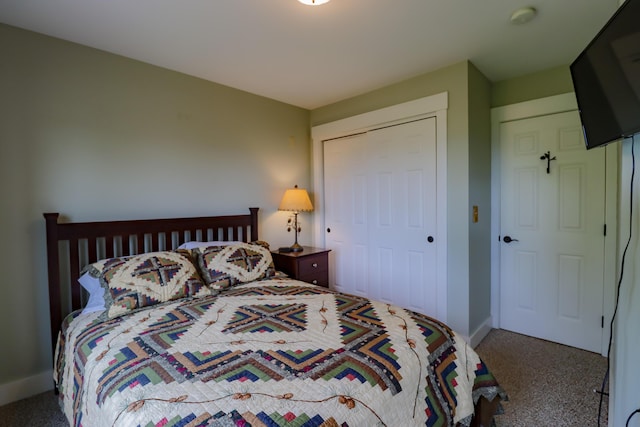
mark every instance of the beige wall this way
{"type": "Point", "coordinates": [97, 136]}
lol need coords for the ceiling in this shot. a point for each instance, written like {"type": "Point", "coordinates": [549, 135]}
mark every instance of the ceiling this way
{"type": "Point", "coordinates": [311, 56]}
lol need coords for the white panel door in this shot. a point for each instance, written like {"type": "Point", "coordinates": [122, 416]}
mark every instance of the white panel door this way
{"type": "Point", "coordinates": [346, 213]}
{"type": "Point", "coordinates": [554, 208]}
{"type": "Point", "coordinates": [380, 192]}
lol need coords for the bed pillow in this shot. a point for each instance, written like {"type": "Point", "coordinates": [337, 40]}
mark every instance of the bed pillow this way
{"type": "Point", "coordinates": [130, 283]}
{"type": "Point", "coordinates": [196, 245]}
{"type": "Point", "coordinates": [96, 293]}
{"type": "Point", "coordinates": [224, 266]}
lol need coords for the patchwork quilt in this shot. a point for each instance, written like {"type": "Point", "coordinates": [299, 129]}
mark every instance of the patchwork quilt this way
{"type": "Point", "coordinates": [275, 352]}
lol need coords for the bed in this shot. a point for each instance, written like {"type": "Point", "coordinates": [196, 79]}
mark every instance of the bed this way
{"type": "Point", "coordinates": [210, 334]}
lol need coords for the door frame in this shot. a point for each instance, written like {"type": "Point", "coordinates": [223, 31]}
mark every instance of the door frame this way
{"type": "Point", "coordinates": [542, 107]}
{"type": "Point", "coordinates": [430, 106]}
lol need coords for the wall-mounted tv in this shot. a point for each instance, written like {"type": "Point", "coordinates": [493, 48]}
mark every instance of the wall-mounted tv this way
{"type": "Point", "coordinates": [606, 79]}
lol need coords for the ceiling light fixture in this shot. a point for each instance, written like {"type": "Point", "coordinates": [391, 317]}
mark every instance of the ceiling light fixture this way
{"type": "Point", "coordinates": [313, 2]}
{"type": "Point", "coordinates": [523, 15]}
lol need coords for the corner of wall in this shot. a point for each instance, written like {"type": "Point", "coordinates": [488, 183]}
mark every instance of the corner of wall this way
{"type": "Point", "coordinates": [482, 331]}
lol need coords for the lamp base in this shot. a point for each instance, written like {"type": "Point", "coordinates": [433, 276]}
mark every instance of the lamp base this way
{"type": "Point", "coordinates": [296, 248]}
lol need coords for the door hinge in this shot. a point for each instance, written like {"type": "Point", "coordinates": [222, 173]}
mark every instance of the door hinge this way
{"type": "Point", "coordinates": [605, 230]}
{"type": "Point", "coordinates": [602, 322]}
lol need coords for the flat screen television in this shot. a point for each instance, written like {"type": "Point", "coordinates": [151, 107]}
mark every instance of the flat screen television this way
{"type": "Point", "coordinates": [606, 79]}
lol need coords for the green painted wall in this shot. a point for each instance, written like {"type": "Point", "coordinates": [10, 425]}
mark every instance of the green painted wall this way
{"type": "Point", "coordinates": [553, 81]}
{"type": "Point", "coordinates": [480, 196]}
{"type": "Point", "coordinates": [97, 136]}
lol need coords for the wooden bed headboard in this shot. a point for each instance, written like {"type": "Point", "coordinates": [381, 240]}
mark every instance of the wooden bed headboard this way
{"type": "Point", "coordinates": [71, 246]}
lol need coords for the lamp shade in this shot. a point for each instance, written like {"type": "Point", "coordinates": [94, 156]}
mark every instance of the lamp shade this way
{"type": "Point", "coordinates": [296, 200]}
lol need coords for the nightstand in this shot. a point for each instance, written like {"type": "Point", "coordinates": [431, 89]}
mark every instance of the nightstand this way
{"type": "Point", "coordinates": [311, 265]}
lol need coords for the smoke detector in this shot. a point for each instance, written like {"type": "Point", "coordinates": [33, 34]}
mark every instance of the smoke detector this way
{"type": "Point", "coordinates": [523, 15]}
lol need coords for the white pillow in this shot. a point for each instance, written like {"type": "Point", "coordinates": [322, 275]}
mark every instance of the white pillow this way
{"type": "Point", "coordinates": [200, 245]}
{"type": "Point", "coordinates": [96, 293]}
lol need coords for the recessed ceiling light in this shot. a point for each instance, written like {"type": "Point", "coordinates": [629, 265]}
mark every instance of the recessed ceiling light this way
{"type": "Point", "coordinates": [523, 15]}
{"type": "Point", "coordinates": [314, 2]}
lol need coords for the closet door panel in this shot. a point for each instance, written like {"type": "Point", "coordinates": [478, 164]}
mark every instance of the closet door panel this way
{"type": "Point", "coordinates": [388, 179]}
{"type": "Point", "coordinates": [346, 213]}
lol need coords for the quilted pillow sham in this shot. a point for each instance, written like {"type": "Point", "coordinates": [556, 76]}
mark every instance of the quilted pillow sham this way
{"type": "Point", "coordinates": [224, 266]}
{"type": "Point", "coordinates": [144, 280]}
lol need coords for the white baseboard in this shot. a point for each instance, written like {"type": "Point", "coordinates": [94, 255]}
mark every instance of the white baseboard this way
{"type": "Point", "coordinates": [481, 332]}
{"type": "Point", "coordinates": [26, 387]}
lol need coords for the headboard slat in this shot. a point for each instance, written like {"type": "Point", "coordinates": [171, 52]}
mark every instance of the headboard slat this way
{"type": "Point", "coordinates": [126, 245]}
{"type": "Point", "coordinates": [139, 244]}
{"type": "Point", "coordinates": [108, 247]}
{"type": "Point", "coordinates": [92, 250]}
{"type": "Point", "coordinates": [74, 271]}
{"type": "Point", "coordinates": [134, 237]}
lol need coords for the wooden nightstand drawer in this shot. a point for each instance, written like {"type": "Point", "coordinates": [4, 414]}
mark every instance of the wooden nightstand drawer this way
{"type": "Point", "coordinates": [311, 265]}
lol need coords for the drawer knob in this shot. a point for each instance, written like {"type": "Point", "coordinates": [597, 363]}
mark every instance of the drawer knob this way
{"type": "Point", "coordinates": [314, 265]}
{"type": "Point", "coordinates": [315, 282]}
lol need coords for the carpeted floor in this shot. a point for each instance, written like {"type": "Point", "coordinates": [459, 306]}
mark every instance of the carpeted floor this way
{"type": "Point", "coordinates": [549, 385]}
{"type": "Point", "coordinates": [41, 410]}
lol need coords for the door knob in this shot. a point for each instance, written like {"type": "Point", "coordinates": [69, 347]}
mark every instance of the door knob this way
{"type": "Point", "coordinates": [508, 239]}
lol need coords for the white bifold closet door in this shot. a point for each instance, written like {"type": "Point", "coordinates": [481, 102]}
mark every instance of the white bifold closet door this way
{"type": "Point", "coordinates": [380, 213]}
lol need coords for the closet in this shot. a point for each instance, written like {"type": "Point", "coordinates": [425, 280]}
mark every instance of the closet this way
{"type": "Point", "coordinates": [379, 208]}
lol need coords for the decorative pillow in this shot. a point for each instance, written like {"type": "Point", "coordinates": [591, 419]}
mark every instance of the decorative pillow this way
{"type": "Point", "coordinates": [224, 266]}
{"type": "Point", "coordinates": [196, 245]}
{"type": "Point", "coordinates": [200, 245]}
{"type": "Point", "coordinates": [148, 279]}
{"type": "Point", "coordinates": [262, 243]}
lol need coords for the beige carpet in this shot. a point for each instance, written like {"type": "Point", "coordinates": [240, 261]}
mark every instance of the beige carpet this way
{"type": "Point", "coordinates": [548, 384]}
{"type": "Point", "coordinates": [41, 410]}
